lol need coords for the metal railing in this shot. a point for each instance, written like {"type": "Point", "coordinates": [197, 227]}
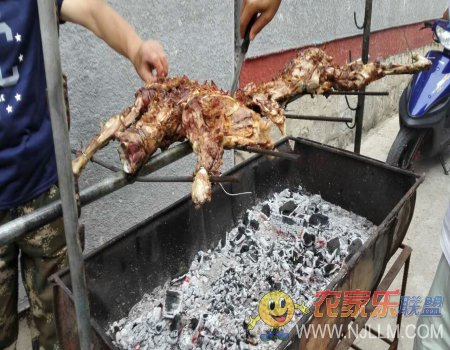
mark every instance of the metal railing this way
{"type": "Point", "coordinates": [53, 74]}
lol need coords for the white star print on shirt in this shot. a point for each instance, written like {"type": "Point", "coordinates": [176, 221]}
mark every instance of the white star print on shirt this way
{"type": "Point", "coordinates": [18, 97]}
{"type": "Point", "coordinates": [21, 58]}
{"type": "Point", "coordinates": [18, 37]}
{"type": "Point", "coordinates": [2, 98]}
{"type": "Point", "coordinates": [9, 109]}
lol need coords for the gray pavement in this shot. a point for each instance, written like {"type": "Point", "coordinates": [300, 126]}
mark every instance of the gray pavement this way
{"type": "Point", "coordinates": [423, 234]}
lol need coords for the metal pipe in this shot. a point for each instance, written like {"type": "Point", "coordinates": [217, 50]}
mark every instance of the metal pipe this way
{"type": "Point", "coordinates": [268, 152]}
{"type": "Point", "coordinates": [53, 74]}
{"type": "Point", "coordinates": [318, 118]}
{"type": "Point", "coordinates": [213, 179]}
{"type": "Point", "coordinates": [359, 116]}
{"type": "Point", "coordinates": [339, 93]}
{"type": "Point", "coordinates": [358, 93]}
{"type": "Point", "coordinates": [18, 227]}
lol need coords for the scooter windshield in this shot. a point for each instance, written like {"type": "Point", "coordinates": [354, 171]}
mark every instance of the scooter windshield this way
{"type": "Point", "coordinates": [429, 87]}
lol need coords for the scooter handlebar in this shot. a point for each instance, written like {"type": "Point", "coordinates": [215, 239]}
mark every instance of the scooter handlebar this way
{"type": "Point", "coordinates": [427, 24]}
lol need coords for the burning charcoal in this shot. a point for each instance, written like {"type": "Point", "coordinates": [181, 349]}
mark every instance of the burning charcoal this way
{"type": "Point", "coordinates": [318, 220]}
{"type": "Point", "coordinates": [193, 324]}
{"type": "Point", "coordinates": [297, 258]}
{"type": "Point", "coordinates": [330, 269]}
{"type": "Point", "coordinates": [319, 261]}
{"type": "Point", "coordinates": [157, 313]}
{"type": "Point", "coordinates": [312, 209]}
{"type": "Point", "coordinates": [285, 193]}
{"type": "Point", "coordinates": [176, 322]}
{"type": "Point", "coordinates": [185, 342]}
{"type": "Point", "coordinates": [178, 280]}
{"type": "Point", "coordinates": [267, 251]}
{"type": "Point", "coordinates": [239, 239]}
{"type": "Point", "coordinates": [172, 304]}
{"type": "Point", "coordinates": [325, 208]}
{"type": "Point", "coordinates": [321, 243]}
{"type": "Point", "coordinates": [333, 244]}
{"type": "Point", "coordinates": [246, 219]}
{"type": "Point", "coordinates": [173, 337]}
{"type": "Point", "coordinates": [287, 208]}
{"type": "Point", "coordinates": [266, 210]}
{"type": "Point", "coordinates": [309, 239]}
{"type": "Point", "coordinates": [274, 285]}
{"type": "Point", "coordinates": [288, 221]}
{"type": "Point", "coordinates": [317, 273]}
{"type": "Point", "coordinates": [251, 339]}
{"type": "Point", "coordinates": [309, 256]}
{"type": "Point", "coordinates": [254, 225]}
{"type": "Point", "coordinates": [159, 328]}
{"type": "Point", "coordinates": [307, 271]}
{"type": "Point", "coordinates": [245, 248]}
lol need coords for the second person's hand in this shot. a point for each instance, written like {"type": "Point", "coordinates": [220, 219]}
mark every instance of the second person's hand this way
{"type": "Point", "coordinates": [267, 10]}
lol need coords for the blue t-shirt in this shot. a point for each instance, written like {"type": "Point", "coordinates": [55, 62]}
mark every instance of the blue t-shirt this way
{"type": "Point", "coordinates": [27, 158]}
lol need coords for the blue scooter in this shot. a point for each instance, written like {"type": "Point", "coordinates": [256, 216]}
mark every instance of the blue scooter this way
{"type": "Point", "coordinates": [425, 107]}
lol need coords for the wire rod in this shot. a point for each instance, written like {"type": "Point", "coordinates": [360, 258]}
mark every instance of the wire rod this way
{"type": "Point", "coordinates": [213, 179]}
{"type": "Point", "coordinates": [319, 118]}
{"type": "Point", "coordinates": [100, 162]}
{"type": "Point", "coordinates": [268, 152]}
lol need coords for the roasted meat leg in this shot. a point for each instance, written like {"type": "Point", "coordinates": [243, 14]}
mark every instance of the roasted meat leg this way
{"type": "Point", "coordinates": [214, 121]}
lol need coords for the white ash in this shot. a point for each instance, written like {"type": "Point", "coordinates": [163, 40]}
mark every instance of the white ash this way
{"type": "Point", "coordinates": [293, 242]}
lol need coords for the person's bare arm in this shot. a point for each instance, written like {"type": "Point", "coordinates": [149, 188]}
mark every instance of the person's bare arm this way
{"type": "Point", "coordinates": [267, 10]}
{"type": "Point", "coordinates": [445, 15]}
{"type": "Point", "coordinates": [107, 24]}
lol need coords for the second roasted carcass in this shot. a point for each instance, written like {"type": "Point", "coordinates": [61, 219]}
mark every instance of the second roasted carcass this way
{"type": "Point", "coordinates": [177, 108]}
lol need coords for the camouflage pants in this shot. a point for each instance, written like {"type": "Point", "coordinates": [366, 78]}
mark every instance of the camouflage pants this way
{"type": "Point", "coordinates": [42, 253]}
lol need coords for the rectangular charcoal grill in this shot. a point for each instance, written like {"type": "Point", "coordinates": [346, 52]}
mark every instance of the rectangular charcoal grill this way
{"type": "Point", "coordinates": [163, 247]}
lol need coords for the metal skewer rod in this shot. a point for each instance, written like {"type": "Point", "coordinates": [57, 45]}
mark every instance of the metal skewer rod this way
{"type": "Point", "coordinates": [213, 179]}
{"type": "Point", "coordinates": [100, 162]}
{"type": "Point", "coordinates": [339, 93]}
{"type": "Point", "coordinates": [46, 214]}
{"type": "Point", "coordinates": [318, 118]}
{"type": "Point", "coordinates": [358, 93]}
{"type": "Point", "coordinates": [268, 152]}
{"type": "Point", "coordinates": [53, 74]}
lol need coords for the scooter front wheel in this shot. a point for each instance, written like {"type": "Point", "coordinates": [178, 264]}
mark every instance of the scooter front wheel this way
{"type": "Point", "coordinates": [405, 148]}
{"type": "Point", "coordinates": [404, 151]}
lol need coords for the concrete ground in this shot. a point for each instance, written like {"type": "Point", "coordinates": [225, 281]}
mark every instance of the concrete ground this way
{"type": "Point", "coordinates": [423, 235]}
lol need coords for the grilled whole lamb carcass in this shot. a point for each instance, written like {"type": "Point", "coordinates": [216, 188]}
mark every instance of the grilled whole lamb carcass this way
{"type": "Point", "coordinates": [177, 108]}
{"type": "Point", "coordinates": [313, 72]}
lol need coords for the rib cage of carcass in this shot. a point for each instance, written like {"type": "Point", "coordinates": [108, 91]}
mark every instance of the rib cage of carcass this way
{"type": "Point", "coordinates": [176, 109]}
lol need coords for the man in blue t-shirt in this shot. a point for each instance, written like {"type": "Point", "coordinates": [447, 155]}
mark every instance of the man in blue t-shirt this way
{"type": "Point", "coordinates": [28, 174]}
